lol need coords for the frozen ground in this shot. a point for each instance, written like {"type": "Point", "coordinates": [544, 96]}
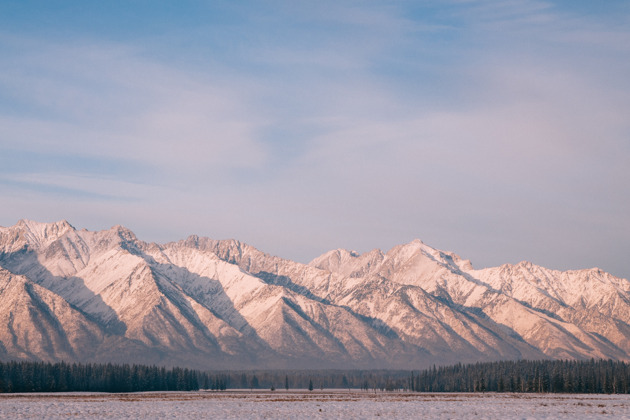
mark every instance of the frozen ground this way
{"type": "Point", "coordinates": [312, 405]}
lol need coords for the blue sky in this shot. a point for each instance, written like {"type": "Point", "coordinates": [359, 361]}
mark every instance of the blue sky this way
{"type": "Point", "coordinates": [495, 129]}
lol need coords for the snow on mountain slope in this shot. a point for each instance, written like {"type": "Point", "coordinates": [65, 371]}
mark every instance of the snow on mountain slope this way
{"type": "Point", "coordinates": [295, 324]}
{"type": "Point", "coordinates": [444, 275]}
{"type": "Point", "coordinates": [437, 325]}
{"type": "Point", "coordinates": [552, 290]}
{"type": "Point", "coordinates": [36, 323]}
{"type": "Point", "coordinates": [591, 300]}
{"type": "Point", "coordinates": [34, 234]}
{"type": "Point", "coordinates": [107, 295]}
{"type": "Point", "coordinates": [589, 320]}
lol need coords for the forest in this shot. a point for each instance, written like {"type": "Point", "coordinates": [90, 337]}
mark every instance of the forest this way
{"type": "Point", "coordinates": [558, 376]}
{"type": "Point", "coordinates": [66, 377]}
{"type": "Point", "coordinates": [566, 376]}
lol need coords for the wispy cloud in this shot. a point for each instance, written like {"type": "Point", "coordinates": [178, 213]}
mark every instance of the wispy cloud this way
{"type": "Point", "coordinates": [496, 129]}
{"type": "Point", "coordinates": [104, 100]}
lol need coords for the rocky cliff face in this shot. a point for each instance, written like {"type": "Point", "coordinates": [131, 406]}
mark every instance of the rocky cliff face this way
{"type": "Point", "coordinates": [68, 294]}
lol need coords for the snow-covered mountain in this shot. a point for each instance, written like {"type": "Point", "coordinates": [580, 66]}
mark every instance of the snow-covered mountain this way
{"type": "Point", "coordinates": [68, 294]}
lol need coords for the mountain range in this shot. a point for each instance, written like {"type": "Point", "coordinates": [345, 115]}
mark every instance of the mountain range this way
{"type": "Point", "coordinates": [77, 295]}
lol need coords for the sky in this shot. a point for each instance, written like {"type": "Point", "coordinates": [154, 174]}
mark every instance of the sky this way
{"type": "Point", "coordinates": [498, 130]}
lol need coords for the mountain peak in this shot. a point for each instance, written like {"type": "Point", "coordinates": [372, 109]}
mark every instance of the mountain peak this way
{"type": "Point", "coordinates": [39, 233]}
{"type": "Point", "coordinates": [349, 263]}
{"type": "Point", "coordinates": [123, 232]}
{"type": "Point", "coordinates": [34, 225]}
{"type": "Point", "coordinates": [332, 259]}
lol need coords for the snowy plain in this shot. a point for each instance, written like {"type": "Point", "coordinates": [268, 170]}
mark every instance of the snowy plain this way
{"type": "Point", "coordinates": [326, 404]}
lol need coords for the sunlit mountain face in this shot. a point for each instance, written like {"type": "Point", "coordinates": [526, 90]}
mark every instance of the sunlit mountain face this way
{"type": "Point", "coordinates": [78, 295]}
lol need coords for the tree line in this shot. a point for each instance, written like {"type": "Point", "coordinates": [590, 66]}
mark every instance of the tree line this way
{"type": "Point", "coordinates": [559, 376]}
{"type": "Point", "coordinates": [601, 376]}
{"type": "Point", "coordinates": [66, 377]}
{"type": "Point", "coordinates": [566, 376]}
{"type": "Point", "coordinates": [311, 379]}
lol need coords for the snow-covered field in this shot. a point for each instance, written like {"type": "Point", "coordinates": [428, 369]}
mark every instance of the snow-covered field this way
{"type": "Point", "coordinates": [311, 405]}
